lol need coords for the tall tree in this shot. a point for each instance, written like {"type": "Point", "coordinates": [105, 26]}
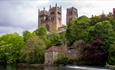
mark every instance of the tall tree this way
{"type": "Point", "coordinates": [78, 30]}
{"type": "Point", "coordinates": [34, 50]}
{"type": "Point", "coordinates": [11, 44]}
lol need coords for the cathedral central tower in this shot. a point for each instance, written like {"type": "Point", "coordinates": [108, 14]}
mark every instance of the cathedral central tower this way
{"type": "Point", "coordinates": [51, 19]}
{"type": "Point", "coordinates": [55, 17]}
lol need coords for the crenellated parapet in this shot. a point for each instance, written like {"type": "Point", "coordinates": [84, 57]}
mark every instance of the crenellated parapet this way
{"type": "Point", "coordinates": [43, 12]}
{"type": "Point", "coordinates": [52, 19]}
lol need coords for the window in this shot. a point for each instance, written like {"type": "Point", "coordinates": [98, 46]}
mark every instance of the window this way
{"type": "Point", "coordinates": [52, 13]}
{"type": "Point", "coordinates": [46, 18]}
{"type": "Point", "coordinates": [70, 12]}
{"type": "Point", "coordinates": [52, 18]}
{"type": "Point", "coordinates": [59, 13]}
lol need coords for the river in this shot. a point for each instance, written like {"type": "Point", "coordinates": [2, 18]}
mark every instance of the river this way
{"type": "Point", "coordinates": [52, 68]}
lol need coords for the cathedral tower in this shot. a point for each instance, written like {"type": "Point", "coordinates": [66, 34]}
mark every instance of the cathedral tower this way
{"type": "Point", "coordinates": [71, 14]}
{"type": "Point", "coordinates": [114, 12]}
{"type": "Point", "coordinates": [55, 18]}
{"type": "Point", "coordinates": [43, 18]}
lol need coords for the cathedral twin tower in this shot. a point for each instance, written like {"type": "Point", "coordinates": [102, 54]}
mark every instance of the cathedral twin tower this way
{"type": "Point", "coordinates": [52, 19]}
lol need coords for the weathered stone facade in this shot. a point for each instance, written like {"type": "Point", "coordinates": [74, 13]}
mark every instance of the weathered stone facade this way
{"type": "Point", "coordinates": [72, 13]}
{"type": "Point", "coordinates": [44, 18]}
{"type": "Point", "coordinates": [114, 12]}
{"type": "Point", "coordinates": [52, 19]}
{"type": "Point", "coordinates": [52, 54]}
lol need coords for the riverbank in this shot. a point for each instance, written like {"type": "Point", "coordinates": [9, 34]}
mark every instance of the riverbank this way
{"type": "Point", "coordinates": [23, 65]}
{"type": "Point", "coordinates": [26, 65]}
{"type": "Point", "coordinates": [110, 67]}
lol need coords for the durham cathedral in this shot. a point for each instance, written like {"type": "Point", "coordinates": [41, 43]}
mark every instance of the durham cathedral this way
{"type": "Point", "coordinates": [52, 19]}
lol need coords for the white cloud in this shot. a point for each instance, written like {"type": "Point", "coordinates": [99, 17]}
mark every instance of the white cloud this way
{"type": "Point", "coordinates": [20, 15]}
{"type": "Point", "coordinates": [95, 7]}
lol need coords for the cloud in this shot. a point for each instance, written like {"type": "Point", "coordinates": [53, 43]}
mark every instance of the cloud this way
{"type": "Point", "coordinates": [20, 15]}
{"type": "Point", "coordinates": [4, 30]}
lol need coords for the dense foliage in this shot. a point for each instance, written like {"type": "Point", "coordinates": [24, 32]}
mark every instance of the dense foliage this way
{"type": "Point", "coordinates": [10, 46]}
{"type": "Point", "coordinates": [33, 52]}
{"type": "Point", "coordinates": [93, 38]}
{"type": "Point", "coordinates": [98, 36]}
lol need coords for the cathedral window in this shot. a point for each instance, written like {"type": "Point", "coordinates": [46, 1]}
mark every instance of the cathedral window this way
{"type": "Point", "coordinates": [52, 18]}
{"type": "Point", "coordinates": [52, 12]}
{"type": "Point", "coordinates": [46, 18]}
{"type": "Point", "coordinates": [59, 13]}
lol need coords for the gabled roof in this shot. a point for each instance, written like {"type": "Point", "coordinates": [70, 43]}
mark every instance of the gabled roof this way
{"type": "Point", "coordinates": [55, 49]}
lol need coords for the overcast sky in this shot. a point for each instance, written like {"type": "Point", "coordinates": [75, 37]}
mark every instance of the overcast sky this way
{"type": "Point", "coordinates": [21, 15]}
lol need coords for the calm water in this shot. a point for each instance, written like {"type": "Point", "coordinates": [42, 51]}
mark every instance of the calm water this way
{"type": "Point", "coordinates": [51, 68]}
{"type": "Point", "coordinates": [37, 68]}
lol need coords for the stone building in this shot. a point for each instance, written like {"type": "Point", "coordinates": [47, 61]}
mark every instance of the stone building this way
{"type": "Point", "coordinates": [114, 12]}
{"type": "Point", "coordinates": [51, 55]}
{"type": "Point", "coordinates": [44, 19]}
{"type": "Point", "coordinates": [72, 13]}
{"type": "Point", "coordinates": [51, 19]}
{"type": "Point", "coordinates": [54, 52]}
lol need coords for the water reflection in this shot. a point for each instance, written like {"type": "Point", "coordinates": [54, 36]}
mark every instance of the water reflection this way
{"type": "Point", "coordinates": [10, 67]}
{"type": "Point", "coordinates": [31, 68]}
{"type": "Point", "coordinates": [48, 68]}
{"type": "Point", "coordinates": [58, 68]}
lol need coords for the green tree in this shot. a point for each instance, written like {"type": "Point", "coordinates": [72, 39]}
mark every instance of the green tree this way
{"type": "Point", "coordinates": [4, 51]}
{"type": "Point", "coordinates": [41, 31]}
{"type": "Point", "coordinates": [78, 30]}
{"type": "Point", "coordinates": [94, 20]}
{"type": "Point", "coordinates": [10, 47]}
{"type": "Point", "coordinates": [111, 57]}
{"type": "Point", "coordinates": [57, 39]}
{"type": "Point", "coordinates": [34, 50]}
{"type": "Point", "coordinates": [97, 34]}
{"type": "Point", "coordinates": [43, 34]}
{"type": "Point", "coordinates": [26, 35]}
{"type": "Point", "coordinates": [112, 21]}
{"type": "Point", "coordinates": [104, 32]}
